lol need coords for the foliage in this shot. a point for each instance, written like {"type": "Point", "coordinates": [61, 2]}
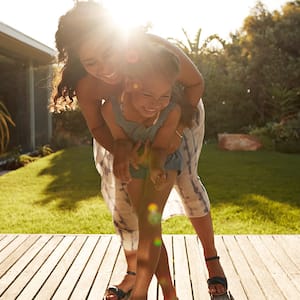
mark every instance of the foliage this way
{"type": "Point", "coordinates": [252, 80]}
{"type": "Point", "coordinates": [15, 159]}
{"type": "Point", "coordinates": [269, 44]}
{"type": "Point", "coordinates": [285, 135]}
{"type": "Point", "coordinates": [288, 130]}
{"type": "Point", "coordinates": [194, 49]}
{"type": "Point", "coordinates": [5, 121]}
{"type": "Point", "coordinates": [70, 129]}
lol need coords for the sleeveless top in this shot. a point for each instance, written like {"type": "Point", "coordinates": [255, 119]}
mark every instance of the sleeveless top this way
{"type": "Point", "coordinates": [139, 132]}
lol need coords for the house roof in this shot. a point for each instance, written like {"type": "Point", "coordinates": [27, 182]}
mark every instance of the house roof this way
{"type": "Point", "coordinates": [15, 44]}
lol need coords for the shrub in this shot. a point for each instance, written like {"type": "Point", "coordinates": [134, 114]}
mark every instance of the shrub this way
{"type": "Point", "coordinates": [284, 136]}
{"type": "Point", "coordinates": [70, 129]}
{"type": "Point", "coordinates": [5, 120]}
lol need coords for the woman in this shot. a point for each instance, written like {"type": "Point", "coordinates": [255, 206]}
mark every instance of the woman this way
{"type": "Point", "coordinates": [92, 51]}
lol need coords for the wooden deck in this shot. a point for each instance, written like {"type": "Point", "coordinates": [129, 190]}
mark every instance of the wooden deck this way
{"type": "Point", "coordinates": [81, 266]}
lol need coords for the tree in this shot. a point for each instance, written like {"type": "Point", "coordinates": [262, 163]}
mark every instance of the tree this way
{"type": "Point", "coordinates": [269, 43]}
{"type": "Point", "coordinates": [194, 49]}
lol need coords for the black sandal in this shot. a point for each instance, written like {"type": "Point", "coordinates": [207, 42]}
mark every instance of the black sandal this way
{"type": "Point", "coordinates": [119, 293]}
{"type": "Point", "coordinates": [218, 280]}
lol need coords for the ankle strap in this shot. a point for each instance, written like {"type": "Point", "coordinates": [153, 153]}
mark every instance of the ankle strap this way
{"type": "Point", "coordinates": [131, 273]}
{"type": "Point", "coordinates": [212, 258]}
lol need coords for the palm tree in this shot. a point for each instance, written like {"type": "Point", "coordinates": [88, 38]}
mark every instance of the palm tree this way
{"type": "Point", "coordinates": [5, 120]}
{"type": "Point", "coordinates": [193, 48]}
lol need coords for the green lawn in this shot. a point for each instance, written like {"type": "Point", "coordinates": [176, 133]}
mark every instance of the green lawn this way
{"type": "Point", "coordinates": [250, 192]}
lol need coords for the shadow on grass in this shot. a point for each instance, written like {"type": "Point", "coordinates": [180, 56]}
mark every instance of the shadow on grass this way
{"type": "Point", "coordinates": [73, 178]}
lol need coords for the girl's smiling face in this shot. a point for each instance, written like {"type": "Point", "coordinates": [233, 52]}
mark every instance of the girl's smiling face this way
{"type": "Point", "coordinates": [152, 96]}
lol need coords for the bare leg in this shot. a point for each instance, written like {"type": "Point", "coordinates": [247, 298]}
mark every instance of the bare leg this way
{"type": "Point", "coordinates": [162, 273]}
{"type": "Point", "coordinates": [204, 228]}
{"type": "Point", "coordinates": [149, 208]}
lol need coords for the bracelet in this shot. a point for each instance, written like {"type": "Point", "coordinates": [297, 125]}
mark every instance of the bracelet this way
{"type": "Point", "coordinates": [178, 134]}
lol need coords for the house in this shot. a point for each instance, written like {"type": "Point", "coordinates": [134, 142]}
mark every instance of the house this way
{"type": "Point", "coordinates": [25, 87]}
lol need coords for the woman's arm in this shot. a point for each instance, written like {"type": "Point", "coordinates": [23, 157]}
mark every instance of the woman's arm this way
{"type": "Point", "coordinates": [189, 75]}
{"type": "Point", "coordinates": [89, 98]}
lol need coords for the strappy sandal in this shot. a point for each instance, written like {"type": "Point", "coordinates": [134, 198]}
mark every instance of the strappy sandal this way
{"type": "Point", "coordinates": [218, 280]}
{"type": "Point", "coordinates": [117, 292]}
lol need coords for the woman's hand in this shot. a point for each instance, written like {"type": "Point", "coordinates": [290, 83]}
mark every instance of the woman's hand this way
{"type": "Point", "coordinates": [122, 151]}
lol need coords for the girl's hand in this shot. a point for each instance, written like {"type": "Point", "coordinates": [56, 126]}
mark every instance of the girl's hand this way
{"type": "Point", "coordinates": [159, 178]}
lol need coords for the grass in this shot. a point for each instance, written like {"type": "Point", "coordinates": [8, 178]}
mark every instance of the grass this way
{"type": "Point", "coordinates": [250, 192]}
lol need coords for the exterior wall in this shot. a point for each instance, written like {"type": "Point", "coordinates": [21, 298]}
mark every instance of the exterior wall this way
{"type": "Point", "coordinates": [28, 108]}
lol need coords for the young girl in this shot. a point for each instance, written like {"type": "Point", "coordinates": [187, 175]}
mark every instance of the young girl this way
{"type": "Point", "coordinates": [145, 113]}
{"type": "Point", "coordinates": [90, 50]}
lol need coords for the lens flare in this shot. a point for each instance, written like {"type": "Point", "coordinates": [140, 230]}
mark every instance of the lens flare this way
{"type": "Point", "coordinates": [154, 217]}
{"type": "Point", "coordinates": [157, 242]}
{"type": "Point", "coordinates": [152, 207]}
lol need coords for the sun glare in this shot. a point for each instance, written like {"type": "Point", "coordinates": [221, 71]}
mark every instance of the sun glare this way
{"type": "Point", "coordinates": [128, 14]}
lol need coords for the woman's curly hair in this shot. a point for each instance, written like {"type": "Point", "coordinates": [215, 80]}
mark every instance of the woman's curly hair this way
{"type": "Point", "coordinates": [84, 20]}
{"type": "Point", "coordinates": [188, 111]}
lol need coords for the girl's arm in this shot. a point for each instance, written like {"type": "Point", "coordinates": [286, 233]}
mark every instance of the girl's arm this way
{"type": "Point", "coordinates": [160, 146]}
{"type": "Point", "coordinates": [189, 75]}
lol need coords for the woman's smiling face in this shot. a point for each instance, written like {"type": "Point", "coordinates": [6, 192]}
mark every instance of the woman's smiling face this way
{"type": "Point", "coordinates": [101, 58]}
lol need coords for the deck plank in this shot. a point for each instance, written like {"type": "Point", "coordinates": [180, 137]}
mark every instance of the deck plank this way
{"type": "Point", "coordinates": [81, 267]}
{"type": "Point", "coordinates": [40, 251]}
{"type": "Point", "coordinates": [250, 283]}
{"type": "Point", "coordinates": [181, 267]}
{"type": "Point", "coordinates": [198, 274]}
{"type": "Point", "coordinates": [10, 253]}
{"type": "Point", "coordinates": [53, 281]}
{"type": "Point", "coordinates": [5, 240]}
{"type": "Point", "coordinates": [291, 246]}
{"type": "Point", "coordinates": [20, 258]}
{"type": "Point", "coordinates": [47, 268]}
{"type": "Point", "coordinates": [284, 260]}
{"type": "Point", "coordinates": [280, 277]}
{"type": "Point", "coordinates": [263, 277]}
{"type": "Point", "coordinates": [227, 260]}
{"type": "Point", "coordinates": [74, 273]}
{"type": "Point", "coordinates": [106, 268]}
